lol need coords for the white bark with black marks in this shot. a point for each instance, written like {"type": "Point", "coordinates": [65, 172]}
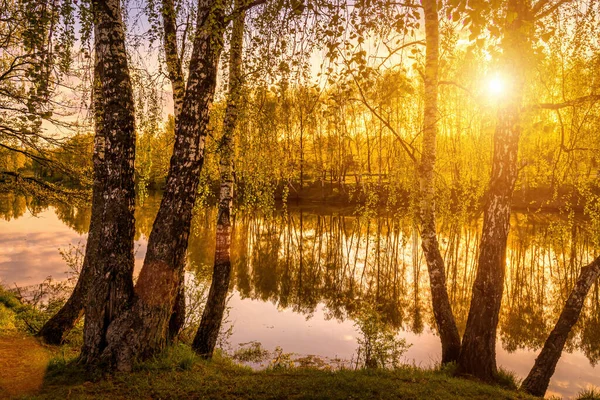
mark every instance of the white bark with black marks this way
{"type": "Point", "coordinates": [173, 61]}
{"type": "Point", "coordinates": [538, 378]}
{"type": "Point", "coordinates": [442, 309]}
{"type": "Point", "coordinates": [172, 58]}
{"type": "Point", "coordinates": [111, 265]}
{"type": "Point", "coordinates": [210, 325]}
{"type": "Point", "coordinates": [478, 351]}
{"type": "Point", "coordinates": [142, 330]}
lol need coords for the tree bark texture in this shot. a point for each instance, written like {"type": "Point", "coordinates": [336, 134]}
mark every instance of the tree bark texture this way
{"type": "Point", "coordinates": [538, 379]}
{"type": "Point", "coordinates": [142, 330]}
{"type": "Point", "coordinates": [173, 61]}
{"type": "Point", "coordinates": [478, 352]}
{"type": "Point", "coordinates": [65, 319]}
{"type": "Point", "coordinates": [210, 324]}
{"type": "Point", "coordinates": [442, 309]}
{"type": "Point", "coordinates": [111, 285]}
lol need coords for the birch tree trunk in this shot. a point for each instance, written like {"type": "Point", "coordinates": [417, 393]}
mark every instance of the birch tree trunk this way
{"type": "Point", "coordinates": [442, 309]}
{"type": "Point", "coordinates": [538, 379]}
{"type": "Point", "coordinates": [142, 330]}
{"type": "Point", "coordinates": [478, 352]}
{"type": "Point", "coordinates": [173, 61]}
{"type": "Point", "coordinates": [62, 322]}
{"type": "Point", "coordinates": [111, 265]}
{"type": "Point", "coordinates": [210, 325]}
{"type": "Point", "coordinates": [172, 55]}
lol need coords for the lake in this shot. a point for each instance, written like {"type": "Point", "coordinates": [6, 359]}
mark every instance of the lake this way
{"type": "Point", "coordinates": [301, 274]}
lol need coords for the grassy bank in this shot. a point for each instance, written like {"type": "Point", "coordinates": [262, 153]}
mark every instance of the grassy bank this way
{"type": "Point", "coordinates": [32, 370]}
{"type": "Point", "coordinates": [180, 374]}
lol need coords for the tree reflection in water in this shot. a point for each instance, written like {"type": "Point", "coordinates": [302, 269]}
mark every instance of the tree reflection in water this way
{"type": "Point", "coordinates": [301, 257]}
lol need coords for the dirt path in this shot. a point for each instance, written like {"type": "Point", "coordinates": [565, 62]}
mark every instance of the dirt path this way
{"type": "Point", "coordinates": [23, 364]}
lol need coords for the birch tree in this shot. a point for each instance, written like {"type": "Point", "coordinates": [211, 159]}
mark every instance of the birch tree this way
{"type": "Point", "coordinates": [208, 331]}
{"type": "Point", "coordinates": [478, 352]}
{"type": "Point", "coordinates": [435, 263]}
{"type": "Point", "coordinates": [63, 321]}
{"type": "Point", "coordinates": [173, 59]}
{"type": "Point", "coordinates": [142, 329]}
{"type": "Point", "coordinates": [111, 258]}
{"type": "Point", "coordinates": [536, 382]}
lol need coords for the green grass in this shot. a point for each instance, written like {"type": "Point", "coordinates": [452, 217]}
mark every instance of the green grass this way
{"type": "Point", "coordinates": [29, 318]}
{"type": "Point", "coordinates": [507, 379]}
{"type": "Point", "coordinates": [8, 305]}
{"type": "Point", "coordinates": [7, 319]}
{"type": "Point", "coordinates": [178, 373]}
{"type": "Point", "coordinates": [589, 394]}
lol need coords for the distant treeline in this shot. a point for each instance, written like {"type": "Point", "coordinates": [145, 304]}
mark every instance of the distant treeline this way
{"type": "Point", "coordinates": [304, 143]}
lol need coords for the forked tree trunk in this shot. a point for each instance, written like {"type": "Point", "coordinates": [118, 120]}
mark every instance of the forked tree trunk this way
{"type": "Point", "coordinates": [65, 319]}
{"type": "Point", "coordinates": [111, 285]}
{"type": "Point", "coordinates": [173, 62]}
{"type": "Point", "coordinates": [538, 379]}
{"type": "Point", "coordinates": [442, 309]}
{"type": "Point", "coordinates": [210, 325]}
{"type": "Point", "coordinates": [142, 330]}
{"type": "Point", "coordinates": [478, 352]}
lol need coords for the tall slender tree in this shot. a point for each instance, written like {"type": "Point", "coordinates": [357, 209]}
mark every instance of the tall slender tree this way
{"type": "Point", "coordinates": [442, 309]}
{"type": "Point", "coordinates": [63, 321]}
{"type": "Point", "coordinates": [538, 378]}
{"type": "Point", "coordinates": [478, 352]}
{"type": "Point", "coordinates": [174, 68]}
{"type": "Point", "coordinates": [172, 55]}
{"type": "Point", "coordinates": [208, 331]}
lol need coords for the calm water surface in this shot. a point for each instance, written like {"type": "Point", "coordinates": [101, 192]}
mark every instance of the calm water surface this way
{"type": "Point", "coordinates": [301, 275]}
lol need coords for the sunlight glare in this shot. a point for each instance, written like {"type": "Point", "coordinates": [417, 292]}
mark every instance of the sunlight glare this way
{"type": "Point", "coordinates": [496, 86]}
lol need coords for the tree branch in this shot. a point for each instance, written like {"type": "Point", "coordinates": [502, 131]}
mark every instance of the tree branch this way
{"type": "Point", "coordinates": [549, 10]}
{"type": "Point", "coordinates": [44, 185]}
{"type": "Point", "coordinates": [458, 85]}
{"type": "Point", "coordinates": [538, 6]}
{"type": "Point", "coordinates": [558, 106]}
{"type": "Point", "coordinates": [406, 146]}
{"type": "Point", "coordinates": [394, 51]}
{"type": "Point", "coordinates": [234, 14]}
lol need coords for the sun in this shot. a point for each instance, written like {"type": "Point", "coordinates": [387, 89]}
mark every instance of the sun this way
{"type": "Point", "coordinates": [496, 86]}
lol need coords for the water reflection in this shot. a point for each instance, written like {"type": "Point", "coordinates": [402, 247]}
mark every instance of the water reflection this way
{"type": "Point", "coordinates": [325, 263]}
{"type": "Point", "coordinates": [301, 259]}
